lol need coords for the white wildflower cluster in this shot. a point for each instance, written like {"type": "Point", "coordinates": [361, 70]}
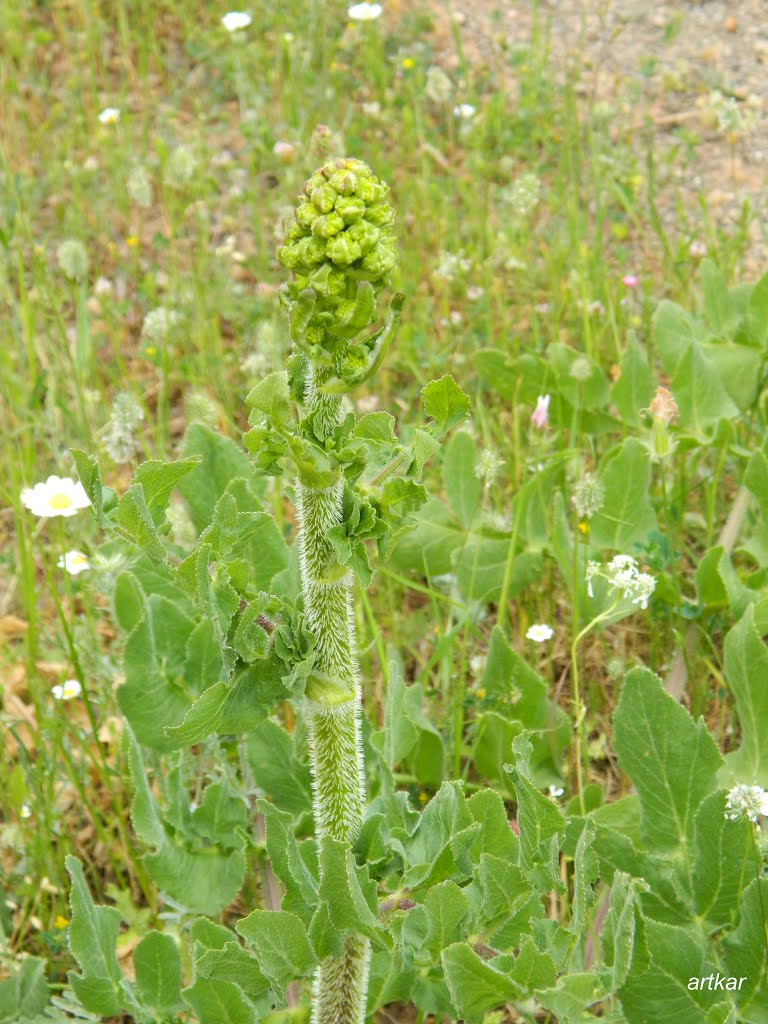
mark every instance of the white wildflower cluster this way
{"type": "Point", "coordinates": [452, 265]}
{"type": "Point", "coordinates": [158, 324]}
{"type": "Point", "coordinates": [746, 802]}
{"type": "Point", "coordinates": [201, 408]}
{"type": "Point", "coordinates": [119, 437]}
{"type": "Point", "coordinates": [622, 573]}
{"type": "Point", "coordinates": [581, 369]}
{"type": "Point", "coordinates": [180, 168]}
{"type": "Point", "coordinates": [438, 87]}
{"type": "Point", "coordinates": [488, 466]}
{"type": "Point", "coordinates": [73, 259]}
{"type": "Point", "coordinates": [139, 187]}
{"type": "Point", "coordinates": [522, 196]}
{"type": "Point", "coordinates": [588, 496]}
{"type": "Point", "coordinates": [733, 118]}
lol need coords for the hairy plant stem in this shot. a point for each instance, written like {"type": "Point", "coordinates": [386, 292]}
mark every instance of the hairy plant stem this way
{"type": "Point", "coordinates": [332, 711]}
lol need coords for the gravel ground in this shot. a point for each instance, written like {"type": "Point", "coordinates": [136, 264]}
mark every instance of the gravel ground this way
{"type": "Point", "coordinates": [663, 62]}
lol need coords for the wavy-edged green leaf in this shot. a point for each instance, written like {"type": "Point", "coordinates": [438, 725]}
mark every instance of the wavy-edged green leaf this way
{"type": "Point", "coordinates": [157, 963]}
{"type": "Point", "coordinates": [671, 760]}
{"type": "Point", "coordinates": [746, 670]}
{"type": "Point", "coordinates": [93, 942]}
{"type": "Point", "coordinates": [280, 944]}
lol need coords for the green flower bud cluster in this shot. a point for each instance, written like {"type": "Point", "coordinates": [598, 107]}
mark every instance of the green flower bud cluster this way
{"type": "Point", "coordinates": [343, 238]}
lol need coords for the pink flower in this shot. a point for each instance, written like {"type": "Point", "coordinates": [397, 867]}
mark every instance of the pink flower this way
{"type": "Point", "coordinates": [630, 280]}
{"type": "Point", "coordinates": [540, 415]}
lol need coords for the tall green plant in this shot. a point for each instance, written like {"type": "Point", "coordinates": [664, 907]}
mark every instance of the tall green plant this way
{"type": "Point", "coordinates": [341, 250]}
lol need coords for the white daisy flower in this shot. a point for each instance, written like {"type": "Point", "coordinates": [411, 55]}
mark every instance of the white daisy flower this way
{"type": "Point", "coordinates": [556, 791]}
{"type": "Point", "coordinates": [464, 110]}
{"type": "Point", "coordinates": [67, 690]}
{"type": "Point", "coordinates": [540, 632]}
{"type": "Point", "coordinates": [364, 12]}
{"type": "Point", "coordinates": [74, 562]}
{"type": "Point", "coordinates": [26, 811]}
{"type": "Point", "coordinates": [234, 21]}
{"type": "Point", "coordinates": [58, 496]}
{"type": "Point", "coordinates": [109, 115]}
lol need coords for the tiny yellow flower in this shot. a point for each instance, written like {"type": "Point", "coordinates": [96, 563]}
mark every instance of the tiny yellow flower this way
{"type": "Point", "coordinates": [481, 692]}
{"type": "Point", "coordinates": [584, 526]}
{"type": "Point", "coordinates": [423, 796]}
{"type": "Point", "coordinates": [150, 350]}
{"type": "Point", "coordinates": [61, 922]}
{"type": "Point", "coordinates": [132, 241]}
{"type": "Point", "coordinates": [409, 63]}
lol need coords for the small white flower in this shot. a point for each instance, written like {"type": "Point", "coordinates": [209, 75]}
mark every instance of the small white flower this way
{"type": "Point", "coordinates": [26, 811]}
{"type": "Point", "coordinates": [746, 801]}
{"type": "Point", "coordinates": [364, 12]}
{"type": "Point", "coordinates": [465, 111]}
{"type": "Point", "coordinates": [74, 562]}
{"type": "Point", "coordinates": [234, 21]}
{"type": "Point", "coordinates": [109, 115]}
{"type": "Point", "coordinates": [540, 632]}
{"type": "Point", "coordinates": [488, 466]}
{"type": "Point", "coordinates": [58, 496]}
{"type": "Point", "coordinates": [621, 573]}
{"type": "Point", "coordinates": [67, 690]}
{"type": "Point", "coordinates": [556, 791]}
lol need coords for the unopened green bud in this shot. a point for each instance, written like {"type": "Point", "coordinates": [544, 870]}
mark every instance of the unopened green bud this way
{"type": "Point", "coordinates": [305, 214]}
{"type": "Point", "coordinates": [364, 234]}
{"type": "Point", "coordinates": [328, 225]}
{"type": "Point", "coordinates": [350, 207]}
{"type": "Point", "coordinates": [324, 198]}
{"type": "Point", "coordinates": [345, 182]}
{"type": "Point", "coordinates": [380, 214]}
{"type": "Point", "coordinates": [343, 250]}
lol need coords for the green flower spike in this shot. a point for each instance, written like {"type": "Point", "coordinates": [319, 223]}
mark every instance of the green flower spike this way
{"type": "Point", "coordinates": [341, 250]}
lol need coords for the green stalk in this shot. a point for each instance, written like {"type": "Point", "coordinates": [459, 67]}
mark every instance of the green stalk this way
{"type": "Point", "coordinates": [333, 715]}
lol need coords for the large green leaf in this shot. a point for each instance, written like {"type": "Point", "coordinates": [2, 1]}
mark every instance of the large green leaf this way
{"type": "Point", "coordinates": [621, 931]}
{"type": "Point", "coordinates": [538, 817]}
{"type": "Point", "coordinates": [154, 694]}
{"type": "Point", "coordinates": [220, 1002]}
{"type": "Point", "coordinates": [203, 878]}
{"type": "Point", "coordinates": [475, 984]}
{"type": "Point", "coordinates": [349, 893]}
{"type": "Point", "coordinates": [671, 760]}
{"type": "Point", "coordinates": [746, 953]}
{"type": "Point", "coordinates": [222, 461]}
{"type": "Point", "coordinates": [277, 768]}
{"type": "Point", "coordinates": [661, 992]}
{"type": "Point", "coordinates": [157, 963]}
{"type": "Point", "coordinates": [462, 485]}
{"type": "Point", "coordinates": [627, 515]}
{"type": "Point", "coordinates": [24, 994]}
{"type": "Point", "coordinates": [722, 862]}
{"type": "Point", "coordinates": [279, 940]}
{"type": "Point", "coordinates": [746, 670]}
{"type": "Point", "coordinates": [93, 942]}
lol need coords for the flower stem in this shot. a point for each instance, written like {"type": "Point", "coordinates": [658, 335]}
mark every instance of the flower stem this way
{"type": "Point", "coordinates": [332, 712]}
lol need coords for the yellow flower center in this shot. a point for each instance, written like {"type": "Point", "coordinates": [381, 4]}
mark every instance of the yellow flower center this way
{"type": "Point", "coordinates": [60, 501]}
